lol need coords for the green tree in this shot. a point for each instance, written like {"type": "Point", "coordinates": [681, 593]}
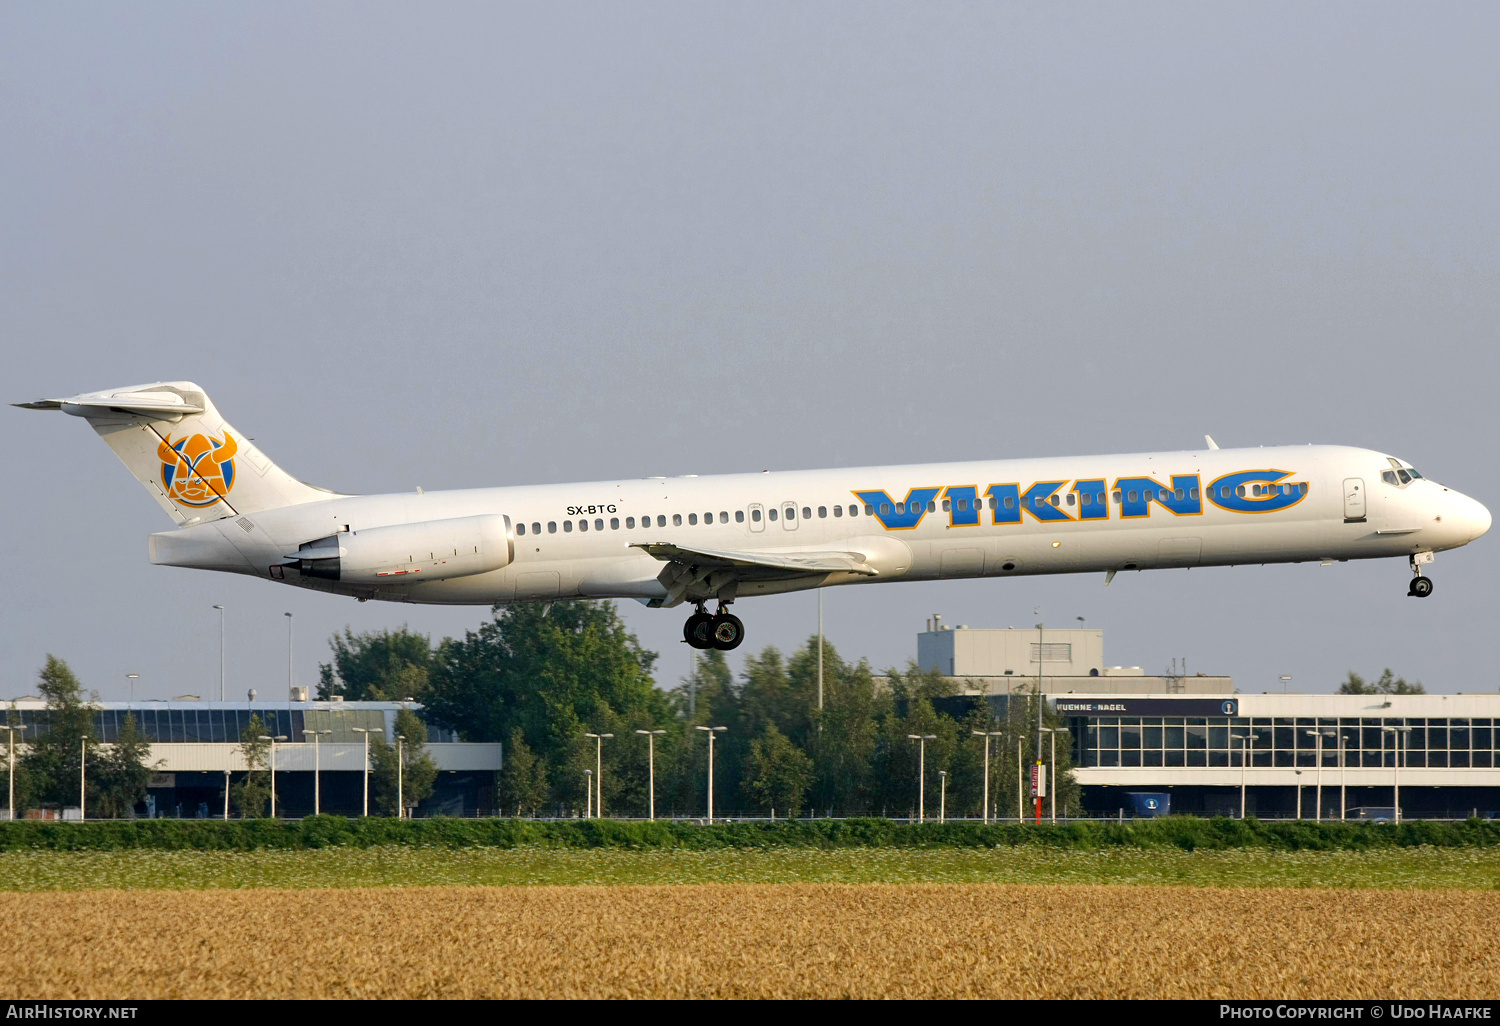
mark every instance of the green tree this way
{"type": "Point", "coordinates": [252, 795]}
{"type": "Point", "coordinates": [53, 755]}
{"type": "Point", "coordinates": [124, 771]}
{"type": "Point", "coordinates": [1388, 684]}
{"type": "Point", "coordinates": [553, 673]}
{"type": "Point", "coordinates": [779, 773]}
{"type": "Point", "coordinates": [402, 773]}
{"type": "Point", "coordinates": [523, 783]}
{"type": "Point", "coordinates": [377, 666]}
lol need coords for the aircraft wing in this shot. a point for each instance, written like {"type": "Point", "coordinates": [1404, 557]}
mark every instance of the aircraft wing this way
{"type": "Point", "coordinates": [796, 562]}
{"type": "Point", "coordinates": [699, 574]}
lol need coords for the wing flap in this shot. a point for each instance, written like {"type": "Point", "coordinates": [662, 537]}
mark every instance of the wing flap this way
{"type": "Point", "coordinates": [794, 562]}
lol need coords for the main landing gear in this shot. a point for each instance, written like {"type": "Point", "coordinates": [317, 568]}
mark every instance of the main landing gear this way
{"type": "Point", "coordinates": [1421, 586]}
{"type": "Point", "coordinates": [722, 630]}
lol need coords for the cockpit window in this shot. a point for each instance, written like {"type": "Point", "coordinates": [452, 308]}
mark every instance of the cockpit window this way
{"type": "Point", "coordinates": [1404, 476]}
{"type": "Point", "coordinates": [1389, 477]}
{"type": "Point", "coordinates": [1413, 472]}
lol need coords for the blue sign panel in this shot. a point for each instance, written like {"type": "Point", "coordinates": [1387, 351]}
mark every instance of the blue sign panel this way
{"type": "Point", "coordinates": [1069, 706]}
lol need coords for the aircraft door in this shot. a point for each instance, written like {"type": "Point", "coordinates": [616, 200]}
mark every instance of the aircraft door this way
{"type": "Point", "coordinates": [1354, 500]}
{"type": "Point", "coordinates": [757, 517]}
{"type": "Point", "coordinates": [789, 516]}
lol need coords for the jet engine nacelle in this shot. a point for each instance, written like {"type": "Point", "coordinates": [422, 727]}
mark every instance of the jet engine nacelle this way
{"type": "Point", "coordinates": [431, 550]}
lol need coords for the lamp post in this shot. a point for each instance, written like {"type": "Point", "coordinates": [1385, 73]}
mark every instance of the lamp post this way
{"type": "Point", "coordinates": [289, 653]}
{"type": "Point", "coordinates": [1020, 785]}
{"type": "Point", "coordinates": [83, 758]}
{"type": "Point", "coordinates": [11, 749]}
{"type": "Point", "coordinates": [317, 768]}
{"type": "Point", "coordinates": [273, 740]}
{"type": "Point", "coordinates": [1247, 741]}
{"type": "Point", "coordinates": [1053, 731]}
{"type": "Point", "coordinates": [1298, 774]}
{"type": "Point", "coordinates": [221, 655]}
{"type": "Point", "coordinates": [651, 736]}
{"type": "Point", "coordinates": [711, 731]}
{"type": "Point", "coordinates": [130, 679]}
{"type": "Point", "coordinates": [1286, 678]}
{"type": "Point", "coordinates": [1041, 658]}
{"type": "Point", "coordinates": [942, 796]}
{"type": "Point", "coordinates": [400, 776]}
{"type": "Point", "coordinates": [1318, 736]}
{"type": "Point", "coordinates": [1400, 733]}
{"type": "Point", "coordinates": [599, 771]}
{"type": "Point", "coordinates": [588, 799]}
{"type": "Point", "coordinates": [921, 740]}
{"type": "Point", "coordinates": [1343, 801]}
{"type": "Point", "coordinates": [226, 796]}
{"type": "Point", "coordinates": [367, 732]}
{"type": "Point", "coordinates": [986, 734]}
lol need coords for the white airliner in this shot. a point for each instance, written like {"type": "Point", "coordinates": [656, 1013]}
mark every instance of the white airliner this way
{"type": "Point", "coordinates": [669, 541]}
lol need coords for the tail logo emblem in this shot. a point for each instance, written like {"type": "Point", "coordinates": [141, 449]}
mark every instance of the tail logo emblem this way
{"type": "Point", "coordinates": [197, 470]}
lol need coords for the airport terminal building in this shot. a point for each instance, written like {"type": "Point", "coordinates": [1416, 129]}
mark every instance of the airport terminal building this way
{"type": "Point", "coordinates": [1196, 745]}
{"type": "Point", "coordinates": [195, 747]}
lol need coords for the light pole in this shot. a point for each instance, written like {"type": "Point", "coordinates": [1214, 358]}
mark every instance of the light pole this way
{"type": "Point", "coordinates": [1020, 786]}
{"type": "Point", "coordinates": [588, 800]}
{"type": "Point", "coordinates": [1400, 733]}
{"type": "Point", "coordinates": [273, 740]}
{"type": "Point", "coordinates": [711, 731]}
{"type": "Point", "coordinates": [1343, 800]}
{"type": "Point", "coordinates": [317, 768]}
{"type": "Point", "coordinates": [921, 740]}
{"type": "Point", "coordinates": [221, 655]}
{"type": "Point", "coordinates": [942, 796]}
{"type": "Point", "coordinates": [130, 679]}
{"type": "Point", "coordinates": [986, 734]}
{"type": "Point", "coordinates": [1041, 658]}
{"type": "Point", "coordinates": [1247, 741]}
{"type": "Point", "coordinates": [1298, 774]}
{"type": "Point", "coordinates": [599, 771]}
{"type": "Point", "coordinates": [367, 732]}
{"type": "Point", "coordinates": [1286, 678]}
{"type": "Point", "coordinates": [820, 653]}
{"type": "Point", "coordinates": [289, 654]}
{"type": "Point", "coordinates": [1054, 731]}
{"type": "Point", "coordinates": [83, 758]}
{"type": "Point", "coordinates": [11, 748]}
{"type": "Point", "coordinates": [651, 736]}
{"type": "Point", "coordinates": [1318, 736]}
{"type": "Point", "coordinates": [400, 776]}
{"type": "Point", "coordinates": [226, 796]}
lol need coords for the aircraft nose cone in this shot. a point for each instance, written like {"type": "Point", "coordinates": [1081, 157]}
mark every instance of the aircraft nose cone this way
{"type": "Point", "coordinates": [1471, 517]}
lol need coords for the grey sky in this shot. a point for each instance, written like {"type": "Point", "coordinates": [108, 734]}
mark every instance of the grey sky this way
{"type": "Point", "coordinates": [456, 245]}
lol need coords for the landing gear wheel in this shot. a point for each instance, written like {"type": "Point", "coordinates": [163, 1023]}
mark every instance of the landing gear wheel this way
{"type": "Point", "coordinates": [1421, 587]}
{"type": "Point", "coordinates": [727, 632]}
{"type": "Point", "coordinates": [696, 631]}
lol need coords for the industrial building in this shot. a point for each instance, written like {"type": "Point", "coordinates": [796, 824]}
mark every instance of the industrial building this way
{"type": "Point", "coordinates": [1195, 746]}
{"type": "Point", "coordinates": [195, 747]}
{"type": "Point", "coordinates": [1070, 660]}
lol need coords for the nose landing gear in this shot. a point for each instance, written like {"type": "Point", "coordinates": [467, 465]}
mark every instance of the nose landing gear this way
{"type": "Point", "coordinates": [1421, 586]}
{"type": "Point", "coordinates": [722, 630]}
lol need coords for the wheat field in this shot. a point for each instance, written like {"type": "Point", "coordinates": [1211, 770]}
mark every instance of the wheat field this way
{"type": "Point", "coordinates": [751, 940]}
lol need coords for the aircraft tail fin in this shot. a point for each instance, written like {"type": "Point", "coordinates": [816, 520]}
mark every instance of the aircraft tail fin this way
{"type": "Point", "coordinates": [193, 463]}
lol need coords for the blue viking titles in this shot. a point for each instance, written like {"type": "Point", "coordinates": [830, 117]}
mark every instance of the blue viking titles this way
{"type": "Point", "coordinates": [1051, 502]}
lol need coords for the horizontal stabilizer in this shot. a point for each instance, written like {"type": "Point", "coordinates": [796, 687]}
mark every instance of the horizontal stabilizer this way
{"type": "Point", "coordinates": [803, 562]}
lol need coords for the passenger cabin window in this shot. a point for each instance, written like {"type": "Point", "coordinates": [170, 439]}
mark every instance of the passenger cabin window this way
{"type": "Point", "coordinates": [771, 513]}
{"type": "Point", "coordinates": [708, 517]}
{"type": "Point", "coordinates": [661, 521]}
{"type": "Point", "coordinates": [520, 528]}
{"type": "Point", "coordinates": [806, 512]}
{"type": "Point", "coordinates": [739, 516]}
{"type": "Point", "coordinates": [677, 519]}
{"type": "Point", "coordinates": [614, 523]}
{"type": "Point", "coordinates": [838, 511]}
{"type": "Point", "coordinates": [630, 522]}
{"type": "Point", "coordinates": [567, 527]}
{"type": "Point", "coordinates": [755, 515]}
{"type": "Point", "coordinates": [583, 525]}
{"type": "Point", "coordinates": [693, 519]}
{"type": "Point", "coordinates": [552, 527]}
{"type": "Point", "coordinates": [869, 510]}
{"type": "Point", "coordinates": [536, 528]}
{"type": "Point", "coordinates": [599, 524]}
{"type": "Point", "coordinates": [723, 516]}
{"type": "Point", "coordinates": [885, 508]}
